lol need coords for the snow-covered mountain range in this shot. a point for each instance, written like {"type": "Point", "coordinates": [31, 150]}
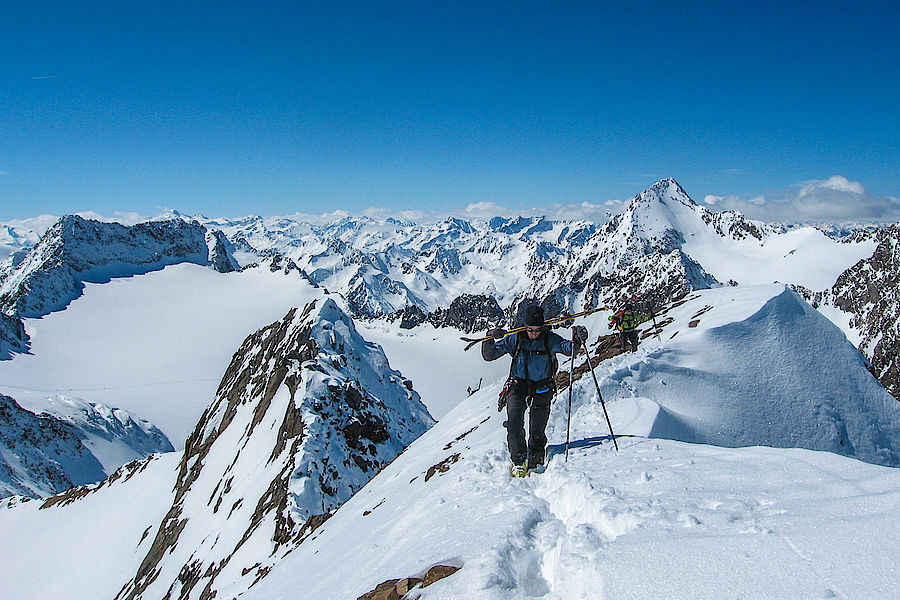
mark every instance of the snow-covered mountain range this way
{"type": "Point", "coordinates": [300, 447]}
{"type": "Point", "coordinates": [661, 247]}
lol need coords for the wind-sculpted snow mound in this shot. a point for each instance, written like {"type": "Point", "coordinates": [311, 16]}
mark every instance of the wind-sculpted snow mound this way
{"type": "Point", "coordinates": [305, 415]}
{"type": "Point", "coordinates": [785, 376]}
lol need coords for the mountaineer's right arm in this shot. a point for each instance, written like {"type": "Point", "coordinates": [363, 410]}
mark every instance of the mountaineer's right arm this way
{"type": "Point", "coordinates": [498, 345]}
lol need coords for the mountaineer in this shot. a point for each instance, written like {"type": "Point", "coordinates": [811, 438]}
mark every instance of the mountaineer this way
{"type": "Point", "coordinates": [530, 384]}
{"type": "Point", "coordinates": [627, 320]}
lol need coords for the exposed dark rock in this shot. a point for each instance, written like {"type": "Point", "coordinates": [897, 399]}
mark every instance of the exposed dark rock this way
{"type": "Point", "coordinates": [469, 313]}
{"type": "Point", "coordinates": [221, 253]}
{"type": "Point", "coordinates": [870, 291]}
{"type": "Point", "coordinates": [441, 467]}
{"type": "Point", "coordinates": [12, 336]}
{"type": "Point", "coordinates": [399, 589]}
{"type": "Point", "coordinates": [410, 316]}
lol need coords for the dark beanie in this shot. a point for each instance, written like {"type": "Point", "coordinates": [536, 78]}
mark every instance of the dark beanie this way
{"type": "Point", "coordinates": [534, 315]}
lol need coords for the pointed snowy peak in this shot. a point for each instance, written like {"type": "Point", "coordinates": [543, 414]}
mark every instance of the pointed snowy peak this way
{"type": "Point", "coordinates": [656, 217]}
{"type": "Point", "coordinates": [305, 415]}
{"type": "Point", "coordinates": [665, 190]}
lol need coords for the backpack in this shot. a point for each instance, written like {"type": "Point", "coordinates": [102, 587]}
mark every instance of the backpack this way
{"type": "Point", "coordinates": [551, 357]}
{"type": "Point", "coordinates": [554, 365]}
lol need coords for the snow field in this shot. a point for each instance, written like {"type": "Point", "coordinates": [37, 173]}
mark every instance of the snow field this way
{"type": "Point", "coordinates": [86, 549]}
{"type": "Point", "coordinates": [668, 516]}
{"type": "Point", "coordinates": [155, 344]}
{"type": "Point", "coordinates": [661, 518]}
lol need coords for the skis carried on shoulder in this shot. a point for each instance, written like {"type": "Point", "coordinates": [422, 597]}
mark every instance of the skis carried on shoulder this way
{"type": "Point", "coordinates": [549, 322]}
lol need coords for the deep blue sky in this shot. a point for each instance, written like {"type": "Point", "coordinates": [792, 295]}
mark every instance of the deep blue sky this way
{"type": "Point", "coordinates": [236, 108]}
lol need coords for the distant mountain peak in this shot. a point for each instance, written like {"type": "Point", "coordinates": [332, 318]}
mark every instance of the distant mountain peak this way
{"type": "Point", "coordinates": [665, 189]}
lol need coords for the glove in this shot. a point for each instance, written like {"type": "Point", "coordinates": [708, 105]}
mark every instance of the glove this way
{"type": "Point", "coordinates": [497, 333]}
{"type": "Point", "coordinates": [580, 334]}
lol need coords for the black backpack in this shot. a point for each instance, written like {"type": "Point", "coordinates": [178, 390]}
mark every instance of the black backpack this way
{"type": "Point", "coordinates": [551, 357]}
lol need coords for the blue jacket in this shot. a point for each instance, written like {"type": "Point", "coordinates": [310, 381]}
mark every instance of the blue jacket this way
{"type": "Point", "coordinates": [532, 362]}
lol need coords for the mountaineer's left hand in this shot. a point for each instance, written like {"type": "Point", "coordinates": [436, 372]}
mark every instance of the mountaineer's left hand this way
{"type": "Point", "coordinates": [579, 333]}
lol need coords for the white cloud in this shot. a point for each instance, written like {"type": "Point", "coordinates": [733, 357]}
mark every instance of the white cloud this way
{"type": "Point", "coordinates": [837, 183]}
{"type": "Point", "coordinates": [836, 199]}
{"type": "Point", "coordinates": [484, 210]}
{"type": "Point", "coordinates": [123, 218]}
{"type": "Point", "coordinates": [585, 211]}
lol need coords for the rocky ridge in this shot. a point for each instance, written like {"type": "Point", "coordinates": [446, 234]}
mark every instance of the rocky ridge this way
{"type": "Point", "coordinates": [869, 292]}
{"type": "Point", "coordinates": [305, 415]}
{"type": "Point", "coordinates": [75, 250]}
{"type": "Point", "coordinates": [42, 454]}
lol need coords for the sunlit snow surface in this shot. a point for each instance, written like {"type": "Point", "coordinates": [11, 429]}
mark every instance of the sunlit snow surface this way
{"type": "Point", "coordinates": [660, 518]}
{"type": "Point", "coordinates": [156, 345]}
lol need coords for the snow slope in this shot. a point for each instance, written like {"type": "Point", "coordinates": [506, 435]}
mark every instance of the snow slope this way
{"type": "Point", "coordinates": [660, 518]}
{"type": "Point", "coordinates": [84, 549]}
{"type": "Point", "coordinates": [154, 344]}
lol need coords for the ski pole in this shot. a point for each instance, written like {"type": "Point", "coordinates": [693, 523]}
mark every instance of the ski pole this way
{"type": "Point", "coordinates": [554, 321]}
{"type": "Point", "coordinates": [655, 328]}
{"type": "Point", "coordinates": [599, 395]}
{"type": "Point", "coordinates": [571, 385]}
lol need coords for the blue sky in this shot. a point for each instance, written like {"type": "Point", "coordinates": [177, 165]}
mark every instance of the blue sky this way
{"type": "Point", "coordinates": [238, 108]}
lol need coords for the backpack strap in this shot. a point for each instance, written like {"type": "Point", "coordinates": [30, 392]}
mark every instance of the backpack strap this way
{"type": "Point", "coordinates": [551, 358]}
{"type": "Point", "coordinates": [515, 355]}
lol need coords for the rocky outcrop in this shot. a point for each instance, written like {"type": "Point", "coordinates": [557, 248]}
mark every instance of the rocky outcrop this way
{"type": "Point", "coordinates": [306, 413]}
{"type": "Point", "coordinates": [41, 455]}
{"type": "Point", "coordinates": [221, 252]}
{"type": "Point", "coordinates": [409, 317]}
{"type": "Point", "coordinates": [870, 292]}
{"type": "Point", "coordinates": [469, 313]}
{"type": "Point", "coordinates": [408, 588]}
{"type": "Point", "coordinates": [12, 336]}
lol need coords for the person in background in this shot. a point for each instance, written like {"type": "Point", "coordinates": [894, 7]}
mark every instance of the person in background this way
{"type": "Point", "coordinates": [627, 321]}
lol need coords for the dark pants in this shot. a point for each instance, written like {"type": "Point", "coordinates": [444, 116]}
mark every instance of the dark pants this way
{"type": "Point", "coordinates": [520, 397]}
{"type": "Point", "coordinates": [629, 337]}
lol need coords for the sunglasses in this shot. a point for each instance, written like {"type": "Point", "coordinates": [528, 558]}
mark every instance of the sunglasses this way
{"type": "Point", "coordinates": [533, 329]}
